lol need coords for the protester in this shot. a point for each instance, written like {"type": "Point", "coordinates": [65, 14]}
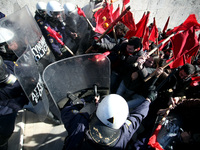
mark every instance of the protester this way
{"type": "Point", "coordinates": [110, 40]}
{"type": "Point", "coordinates": [171, 92]}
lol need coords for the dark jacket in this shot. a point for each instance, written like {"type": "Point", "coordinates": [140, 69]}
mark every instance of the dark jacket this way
{"type": "Point", "coordinates": [77, 124]}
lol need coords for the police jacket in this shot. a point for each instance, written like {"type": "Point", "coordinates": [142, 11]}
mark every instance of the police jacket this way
{"type": "Point", "coordinates": [77, 125]}
{"type": "Point", "coordinates": [53, 44]}
{"type": "Point", "coordinates": [12, 97]}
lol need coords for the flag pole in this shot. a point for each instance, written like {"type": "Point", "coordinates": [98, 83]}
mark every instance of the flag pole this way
{"type": "Point", "coordinates": [96, 9]}
{"type": "Point", "coordinates": [110, 27]}
{"type": "Point", "coordinates": [152, 74]}
{"type": "Point", "coordinates": [59, 41]}
{"type": "Point", "coordinates": [153, 50]}
{"type": "Point", "coordinates": [88, 21]}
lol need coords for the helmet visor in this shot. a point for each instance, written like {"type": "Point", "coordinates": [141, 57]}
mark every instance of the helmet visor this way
{"type": "Point", "coordinates": [59, 16]}
{"type": "Point", "coordinates": [103, 134]}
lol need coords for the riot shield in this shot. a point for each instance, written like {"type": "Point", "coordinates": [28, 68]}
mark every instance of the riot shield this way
{"type": "Point", "coordinates": [29, 78]}
{"type": "Point", "coordinates": [27, 33]}
{"type": "Point", "coordinates": [77, 75]}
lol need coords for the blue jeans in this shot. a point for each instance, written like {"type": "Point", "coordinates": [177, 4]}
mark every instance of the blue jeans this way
{"type": "Point", "coordinates": [131, 97]}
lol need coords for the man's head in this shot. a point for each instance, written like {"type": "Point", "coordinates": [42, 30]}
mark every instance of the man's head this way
{"type": "Point", "coordinates": [41, 8]}
{"type": "Point", "coordinates": [120, 30]}
{"type": "Point", "coordinates": [134, 44]}
{"type": "Point", "coordinates": [186, 71]}
{"type": "Point", "coordinates": [105, 125]}
{"type": "Point", "coordinates": [55, 11]}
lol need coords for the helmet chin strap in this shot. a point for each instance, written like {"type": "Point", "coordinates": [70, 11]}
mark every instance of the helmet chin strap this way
{"type": "Point", "coordinates": [11, 79]}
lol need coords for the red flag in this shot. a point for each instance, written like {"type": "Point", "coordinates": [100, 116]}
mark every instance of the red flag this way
{"type": "Point", "coordinates": [103, 20]}
{"type": "Point", "coordinates": [189, 22]}
{"type": "Point", "coordinates": [154, 32]}
{"type": "Point", "coordinates": [145, 41]}
{"type": "Point", "coordinates": [153, 139]}
{"type": "Point", "coordinates": [128, 21]}
{"type": "Point", "coordinates": [116, 13]}
{"type": "Point", "coordinates": [166, 25]}
{"type": "Point", "coordinates": [125, 2]}
{"type": "Point", "coordinates": [81, 12]}
{"type": "Point", "coordinates": [55, 35]}
{"type": "Point", "coordinates": [100, 57]}
{"type": "Point", "coordinates": [141, 27]}
{"type": "Point", "coordinates": [184, 41]}
{"type": "Point", "coordinates": [184, 46]}
{"type": "Point", "coordinates": [195, 81]}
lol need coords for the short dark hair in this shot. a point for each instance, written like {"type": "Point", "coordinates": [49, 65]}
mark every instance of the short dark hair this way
{"type": "Point", "coordinates": [136, 42]}
{"type": "Point", "coordinates": [188, 68]}
{"type": "Point", "coordinates": [122, 27]}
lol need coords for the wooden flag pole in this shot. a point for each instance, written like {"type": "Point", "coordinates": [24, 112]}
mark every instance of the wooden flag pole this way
{"type": "Point", "coordinates": [153, 50]}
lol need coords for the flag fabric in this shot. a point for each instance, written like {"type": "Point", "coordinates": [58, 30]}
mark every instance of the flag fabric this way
{"type": "Point", "coordinates": [184, 41]}
{"type": "Point", "coordinates": [195, 81]}
{"type": "Point", "coordinates": [153, 139]}
{"type": "Point", "coordinates": [81, 12]}
{"type": "Point", "coordinates": [184, 46]}
{"type": "Point", "coordinates": [55, 35]}
{"type": "Point", "coordinates": [128, 21]}
{"type": "Point", "coordinates": [103, 19]}
{"type": "Point", "coordinates": [145, 41]}
{"type": "Point", "coordinates": [141, 27]}
{"type": "Point", "coordinates": [116, 13]}
{"type": "Point", "coordinates": [163, 45]}
{"type": "Point", "coordinates": [189, 22]}
{"type": "Point", "coordinates": [125, 2]}
{"type": "Point", "coordinates": [154, 32]}
{"type": "Point", "coordinates": [166, 25]}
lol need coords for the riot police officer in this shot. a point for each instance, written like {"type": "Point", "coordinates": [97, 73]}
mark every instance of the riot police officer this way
{"type": "Point", "coordinates": [12, 99]}
{"type": "Point", "coordinates": [40, 13]}
{"type": "Point", "coordinates": [110, 127]}
{"type": "Point", "coordinates": [54, 20]}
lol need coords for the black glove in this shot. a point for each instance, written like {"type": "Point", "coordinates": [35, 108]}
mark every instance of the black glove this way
{"type": "Point", "coordinates": [96, 44]}
{"type": "Point", "coordinates": [152, 95]}
{"type": "Point", "coordinates": [63, 49]}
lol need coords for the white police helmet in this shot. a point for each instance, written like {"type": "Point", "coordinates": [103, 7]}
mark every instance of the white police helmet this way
{"type": "Point", "coordinates": [113, 111]}
{"type": "Point", "coordinates": [41, 6]}
{"type": "Point", "coordinates": [53, 7]}
{"type": "Point", "coordinates": [5, 35]}
{"type": "Point", "coordinates": [111, 114]}
{"type": "Point", "coordinates": [70, 8]}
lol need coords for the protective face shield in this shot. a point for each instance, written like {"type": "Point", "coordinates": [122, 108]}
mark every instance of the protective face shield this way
{"type": "Point", "coordinates": [41, 8]}
{"type": "Point", "coordinates": [55, 10]}
{"type": "Point", "coordinates": [105, 126]}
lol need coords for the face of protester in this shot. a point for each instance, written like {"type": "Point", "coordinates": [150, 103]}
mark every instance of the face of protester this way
{"type": "Point", "coordinates": [130, 49]}
{"type": "Point", "coordinates": [149, 62]}
{"type": "Point", "coordinates": [183, 75]}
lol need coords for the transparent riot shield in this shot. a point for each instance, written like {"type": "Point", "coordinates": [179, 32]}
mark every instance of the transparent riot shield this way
{"type": "Point", "coordinates": [27, 33]}
{"type": "Point", "coordinates": [77, 75]}
{"type": "Point", "coordinates": [30, 79]}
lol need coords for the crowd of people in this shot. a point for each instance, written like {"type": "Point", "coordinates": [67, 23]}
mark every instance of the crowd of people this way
{"type": "Point", "coordinates": [142, 91]}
